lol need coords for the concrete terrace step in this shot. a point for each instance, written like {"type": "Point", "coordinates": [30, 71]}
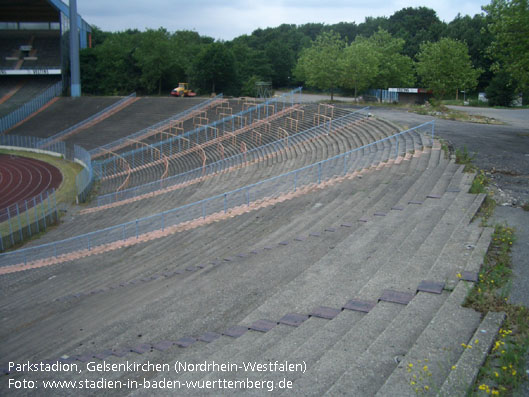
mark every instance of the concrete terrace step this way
{"type": "Point", "coordinates": [368, 371]}
{"type": "Point", "coordinates": [437, 347]}
{"type": "Point", "coordinates": [293, 276]}
{"type": "Point", "coordinates": [92, 300]}
{"type": "Point", "coordinates": [141, 114]}
{"type": "Point", "coordinates": [468, 365]}
{"type": "Point", "coordinates": [440, 343]}
{"type": "Point", "coordinates": [210, 251]}
{"type": "Point", "coordinates": [426, 242]}
{"type": "Point", "coordinates": [368, 199]}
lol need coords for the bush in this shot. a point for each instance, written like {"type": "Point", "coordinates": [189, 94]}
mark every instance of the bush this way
{"type": "Point", "coordinates": [501, 90]}
{"type": "Point", "coordinates": [249, 88]}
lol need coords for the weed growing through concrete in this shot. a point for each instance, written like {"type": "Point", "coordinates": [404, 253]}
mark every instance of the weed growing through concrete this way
{"type": "Point", "coordinates": [463, 157]}
{"type": "Point", "coordinates": [525, 206]}
{"type": "Point", "coordinates": [504, 368]}
{"type": "Point", "coordinates": [419, 377]}
{"type": "Point", "coordinates": [445, 149]}
{"type": "Point", "coordinates": [479, 183]}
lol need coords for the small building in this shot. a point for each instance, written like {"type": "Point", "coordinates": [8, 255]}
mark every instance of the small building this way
{"type": "Point", "coordinates": [412, 95]}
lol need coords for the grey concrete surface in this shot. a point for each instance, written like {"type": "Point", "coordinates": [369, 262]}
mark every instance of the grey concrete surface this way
{"type": "Point", "coordinates": [503, 152]}
{"type": "Point", "coordinates": [514, 117]}
{"type": "Point", "coordinates": [519, 220]}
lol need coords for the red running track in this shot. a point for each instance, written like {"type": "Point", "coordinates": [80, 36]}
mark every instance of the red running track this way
{"type": "Point", "coordinates": [23, 178]}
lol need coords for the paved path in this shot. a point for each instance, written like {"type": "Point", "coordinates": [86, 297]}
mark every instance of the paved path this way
{"type": "Point", "coordinates": [513, 117]}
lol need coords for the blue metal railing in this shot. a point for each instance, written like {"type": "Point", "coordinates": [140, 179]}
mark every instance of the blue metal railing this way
{"type": "Point", "coordinates": [144, 155]}
{"type": "Point", "coordinates": [232, 161]}
{"type": "Point", "coordinates": [356, 159]}
{"type": "Point", "coordinates": [30, 107]}
{"type": "Point", "coordinates": [23, 219]}
{"type": "Point", "coordinates": [31, 142]}
{"type": "Point", "coordinates": [84, 179]}
{"type": "Point", "coordinates": [109, 146]}
{"type": "Point", "coordinates": [86, 121]}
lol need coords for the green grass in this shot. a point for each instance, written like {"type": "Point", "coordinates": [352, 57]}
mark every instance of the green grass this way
{"type": "Point", "coordinates": [504, 368]}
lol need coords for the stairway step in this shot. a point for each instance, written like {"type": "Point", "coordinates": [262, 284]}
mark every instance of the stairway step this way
{"type": "Point", "coordinates": [369, 371]}
{"type": "Point", "coordinates": [467, 367]}
{"type": "Point", "coordinates": [331, 365]}
{"type": "Point", "coordinates": [437, 347]}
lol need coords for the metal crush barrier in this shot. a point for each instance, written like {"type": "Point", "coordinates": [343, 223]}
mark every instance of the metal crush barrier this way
{"type": "Point", "coordinates": [362, 157]}
{"type": "Point", "coordinates": [232, 161]}
{"type": "Point", "coordinates": [103, 149]}
{"type": "Point", "coordinates": [143, 156]}
{"type": "Point", "coordinates": [30, 107]}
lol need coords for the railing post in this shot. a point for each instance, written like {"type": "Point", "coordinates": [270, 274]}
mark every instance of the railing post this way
{"type": "Point", "coordinates": [136, 228]}
{"type": "Point", "coordinates": [433, 128]}
{"type": "Point", "coordinates": [295, 180]}
{"type": "Point", "coordinates": [55, 205]}
{"type": "Point", "coordinates": [42, 211]}
{"type": "Point", "coordinates": [203, 210]}
{"type": "Point", "coordinates": [225, 203]}
{"type": "Point", "coordinates": [89, 246]}
{"type": "Point", "coordinates": [344, 164]}
{"type": "Point", "coordinates": [124, 235]}
{"type": "Point", "coordinates": [27, 217]}
{"type": "Point", "coordinates": [397, 147]}
{"type": "Point", "coordinates": [48, 198]}
{"type": "Point", "coordinates": [19, 223]}
{"type": "Point", "coordinates": [10, 227]}
{"type": "Point", "coordinates": [319, 173]}
{"type": "Point", "coordinates": [248, 196]}
{"type": "Point", "coordinates": [55, 250]}
{"type": "Point", "coordinates": [161, 215]}
{"type": "Point", "coordinates": [36, 213]}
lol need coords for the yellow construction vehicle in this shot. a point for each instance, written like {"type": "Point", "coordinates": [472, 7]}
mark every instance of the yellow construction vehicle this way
{"type": "Point", "coordinates": [182, 90]}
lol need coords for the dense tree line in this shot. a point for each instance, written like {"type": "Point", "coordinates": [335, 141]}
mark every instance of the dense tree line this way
{"type": "Point", "coordinates": [411, 47]}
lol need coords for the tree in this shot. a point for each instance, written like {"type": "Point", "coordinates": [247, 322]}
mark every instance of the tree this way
{"type": "Point", "coordinates": [475, 33]}
{"type": "Point", "coordinates": [394, 68]}
{"type": "Point", "coordinates": [154, 58]}
{"type": "Point", "coordinates": [445, 66]}
{"type": "Point", "coordinates": [319, 65]}
{"type": "Point", "coordinates": [371, 25]}
{"type": "Point", "coordinates": [510, 47]}
{"type": "Point", "coordinates": [250, 62]}
{"type": "Point", "coordinates": [116, 69]}
{"type": "Point", "coordinates": [359, 65]}
{"type": "Point", "coordinates": [214, 69]}
{"type": "Point", "coordinates": [185, 46]}
{"type": "Point", "coordinates": [501, 90]}
{"type": "Point", "coordinates": [415, 26]}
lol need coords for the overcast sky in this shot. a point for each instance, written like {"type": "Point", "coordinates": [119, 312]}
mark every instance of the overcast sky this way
{"type": "Point", "coordinates": [223, 19]}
